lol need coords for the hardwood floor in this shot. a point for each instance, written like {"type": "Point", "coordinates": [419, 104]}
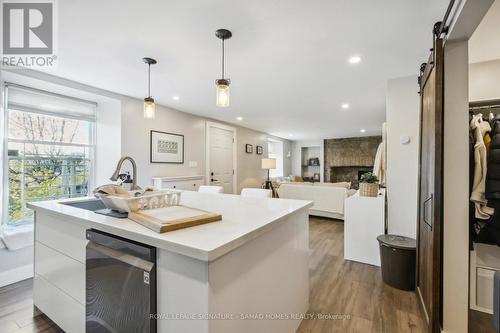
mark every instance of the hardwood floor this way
{"type": "Point", "coordinates": [352, 289]}
{"type": "Point", "coordinates": [351, 296]}
{"type": "Point", "coordinates": [480, 322]}
{"type": "Point", "coordinates": [16, 311]}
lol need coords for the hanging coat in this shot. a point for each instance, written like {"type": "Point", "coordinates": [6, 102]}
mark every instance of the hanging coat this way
{"type": "Point", "coordinates": [480, 128]}
{"type": "Point", "coordinates": [379, 165]}
{"type": "Point", "coordinates": [493, 175]}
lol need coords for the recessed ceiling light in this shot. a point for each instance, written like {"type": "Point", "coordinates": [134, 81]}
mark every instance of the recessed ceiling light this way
{"type": "Point", "coordinates": [362, 130]}
{"type": "Point", "coordinates": [239, 118]}
{"type": "Point", "coordinates": [175, 98]}
{"type": "Point", "coordinates": [355, 60]}
{"type": "Point", "coordinates": [345, 106]}
{"type": "Point", "coordinates": [290, 135]}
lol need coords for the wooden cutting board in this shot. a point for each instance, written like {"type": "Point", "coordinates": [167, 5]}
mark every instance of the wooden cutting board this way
{"type": "Point", "coordinates": [173, 218]}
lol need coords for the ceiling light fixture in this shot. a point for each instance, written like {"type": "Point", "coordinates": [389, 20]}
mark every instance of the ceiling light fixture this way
{"type": "Point", "coordinates": [345, 106]}
{"type": "Point", "coordinates": [355, 60]}
{"type": "Point", "coordinates": [362, 130]}
{"type": "Point", "coordinates": [222, 99]}
{"type": "Point", "coordinates": [175, 98]}
{"type": "Point", "coordinates": [239, 118]}
{"type": "Point", "coordinates": [149, 102]}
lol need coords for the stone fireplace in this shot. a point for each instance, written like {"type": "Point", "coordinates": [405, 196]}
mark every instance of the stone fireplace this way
{"type": "Point", "coordinates": [347, 159]}
{"type": "Point", "coordinates": [348, 174]}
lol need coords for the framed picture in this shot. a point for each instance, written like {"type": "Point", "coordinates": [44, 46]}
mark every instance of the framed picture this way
{"type": "Point", "coordinates": [166, 148]}
{"type": "Point", "coordinates": [248, 148]}
{"type": "Point", "coordinates": [259, 150]}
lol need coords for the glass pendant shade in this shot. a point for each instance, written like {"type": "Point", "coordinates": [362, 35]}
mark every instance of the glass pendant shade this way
{"type": "Point", "coordinates": [222, 94]}
{"type": "Point", "coordinates": [149, 108]}
{"type": "Point", "coordinates": [149, 102]}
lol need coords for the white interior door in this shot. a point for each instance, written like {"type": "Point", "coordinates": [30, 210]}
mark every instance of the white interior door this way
{"type": "Point", "coordinates": [221, 162]}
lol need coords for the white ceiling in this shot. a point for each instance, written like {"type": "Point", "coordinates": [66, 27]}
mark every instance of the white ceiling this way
{"type": "Point", "coordinates": [287, 59]}
{"type": "Point", "coordinates": [484, 44]}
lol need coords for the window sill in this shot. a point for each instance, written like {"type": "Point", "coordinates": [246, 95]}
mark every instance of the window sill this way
{"type": "Point", "coordinates": [16, 237]}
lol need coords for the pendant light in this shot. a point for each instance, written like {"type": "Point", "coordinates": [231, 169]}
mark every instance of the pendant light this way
{"type": "Point", "coordinates": [222, 91]}
{"type": "Point", "coordinates": [149, 102]}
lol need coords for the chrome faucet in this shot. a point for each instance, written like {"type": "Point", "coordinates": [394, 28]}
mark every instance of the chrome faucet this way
{"type": "Point", "coordinates": [115, 175]}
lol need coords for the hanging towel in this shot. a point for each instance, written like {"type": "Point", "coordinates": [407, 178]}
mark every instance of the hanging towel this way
{"type": "Point", "coordinates": [379, 165]}
{"type": "Point", "coordinates": [480, 128]}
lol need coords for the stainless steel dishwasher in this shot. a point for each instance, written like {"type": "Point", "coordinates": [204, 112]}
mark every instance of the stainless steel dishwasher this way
{"type": "Point", "coordinates": [120, 285]}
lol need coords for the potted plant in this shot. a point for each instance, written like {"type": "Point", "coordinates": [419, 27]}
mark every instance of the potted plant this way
{"type": "Point", "coordinates": [368, 185]}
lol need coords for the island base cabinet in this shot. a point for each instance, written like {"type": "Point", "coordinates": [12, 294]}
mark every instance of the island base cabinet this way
{"type": "Point", "coordinates": [58, 306]}
{"type": "Point", "coordinates": [59, 281]}
{"type": "Point", "coordinates": [267, 278]}
{"type": "Point", "coordinates": [243, 283]}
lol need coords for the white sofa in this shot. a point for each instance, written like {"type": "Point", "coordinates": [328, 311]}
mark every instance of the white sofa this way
{"type": "Point", "coordinates": [328, 198]}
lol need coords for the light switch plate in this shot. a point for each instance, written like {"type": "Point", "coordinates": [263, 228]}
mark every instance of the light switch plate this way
{"type": "Point", "coordinates": [193, 164]}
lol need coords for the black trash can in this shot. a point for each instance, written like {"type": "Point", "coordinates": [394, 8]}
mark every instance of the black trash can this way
{"type": "Point", "coordinates": [398, 259]}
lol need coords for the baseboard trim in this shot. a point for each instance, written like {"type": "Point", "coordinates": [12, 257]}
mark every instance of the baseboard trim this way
{"type": "Point", "coordinates": [16, 274]}
{"type": "Point", "coordinates": [322, 213]}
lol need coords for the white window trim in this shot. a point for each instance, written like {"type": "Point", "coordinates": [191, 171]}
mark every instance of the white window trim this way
{"type": "Point", "coordinates": [270, 139]}
{"type": "Point", "coordinates": [4, 86]}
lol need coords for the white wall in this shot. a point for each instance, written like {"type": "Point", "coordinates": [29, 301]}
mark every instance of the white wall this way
{"type": "Point", "coordinates": [484, 80]}
{"type": "Point", "coordinates": [402, 118]}
{"type": "Point", "coordinates": [297, 159]}
{"type": "Point", "coordinates": [136, 137]}
{"type": "Point", "coordinates": [456, 189]}
{"type": "Point", "coordinates": [135, 143]}
{"type": "Point", "coordinates": [250, 172]}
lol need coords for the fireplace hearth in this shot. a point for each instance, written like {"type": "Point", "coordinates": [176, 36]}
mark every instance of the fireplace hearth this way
{"type": "Point", "coordinates": [348, 174]}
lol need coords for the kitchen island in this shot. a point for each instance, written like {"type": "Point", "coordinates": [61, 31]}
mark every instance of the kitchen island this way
{"type": "Point", "coordinates": [246, 273]}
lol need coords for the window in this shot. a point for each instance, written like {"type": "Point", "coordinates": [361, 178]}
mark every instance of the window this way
{"type": "Point", "coordinates": [275, 150]}
{"type": "Point", "coordinates": [49, 149]}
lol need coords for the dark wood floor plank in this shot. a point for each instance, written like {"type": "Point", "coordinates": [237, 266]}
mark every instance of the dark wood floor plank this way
{"type": "Point", "coordinates": [480, 322]}
{"type": "Point", "coordinates": [352, 289]}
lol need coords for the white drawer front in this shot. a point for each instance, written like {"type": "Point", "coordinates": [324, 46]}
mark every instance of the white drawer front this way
{"type": "Point", "coordinates": [66, 237]}
{"type": "Point", "coordinates": [62, 309]}
{"type": "Point", "coordinates": [63, 272]}
{"type": "Point", "coordinates": [484, 288]}
{"type": "Point", "coordinates": [189, 185]}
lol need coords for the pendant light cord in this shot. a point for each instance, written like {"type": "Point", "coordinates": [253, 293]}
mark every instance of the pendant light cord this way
{"type": "Point", "coordinates": [149, 80]}
{"type": "Point", "coordinates": [222, 58]}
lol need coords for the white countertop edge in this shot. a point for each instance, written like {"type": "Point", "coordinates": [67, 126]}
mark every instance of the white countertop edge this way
{"type": "Point", "coordinates": [203, 255]}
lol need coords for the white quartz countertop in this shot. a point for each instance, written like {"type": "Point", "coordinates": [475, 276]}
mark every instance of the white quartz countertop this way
{"type": "Point", "coordinates": [243, 219]}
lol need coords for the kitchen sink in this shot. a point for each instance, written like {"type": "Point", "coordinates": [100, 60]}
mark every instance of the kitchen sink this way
{"type": "Point", "coordinates": [92, 204]}
{"type": "Point", "coordinates": [96, 206]}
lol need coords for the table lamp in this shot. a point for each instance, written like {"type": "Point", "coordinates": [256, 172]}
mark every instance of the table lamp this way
{"type": "Point", "coordinates": [268, 163]}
